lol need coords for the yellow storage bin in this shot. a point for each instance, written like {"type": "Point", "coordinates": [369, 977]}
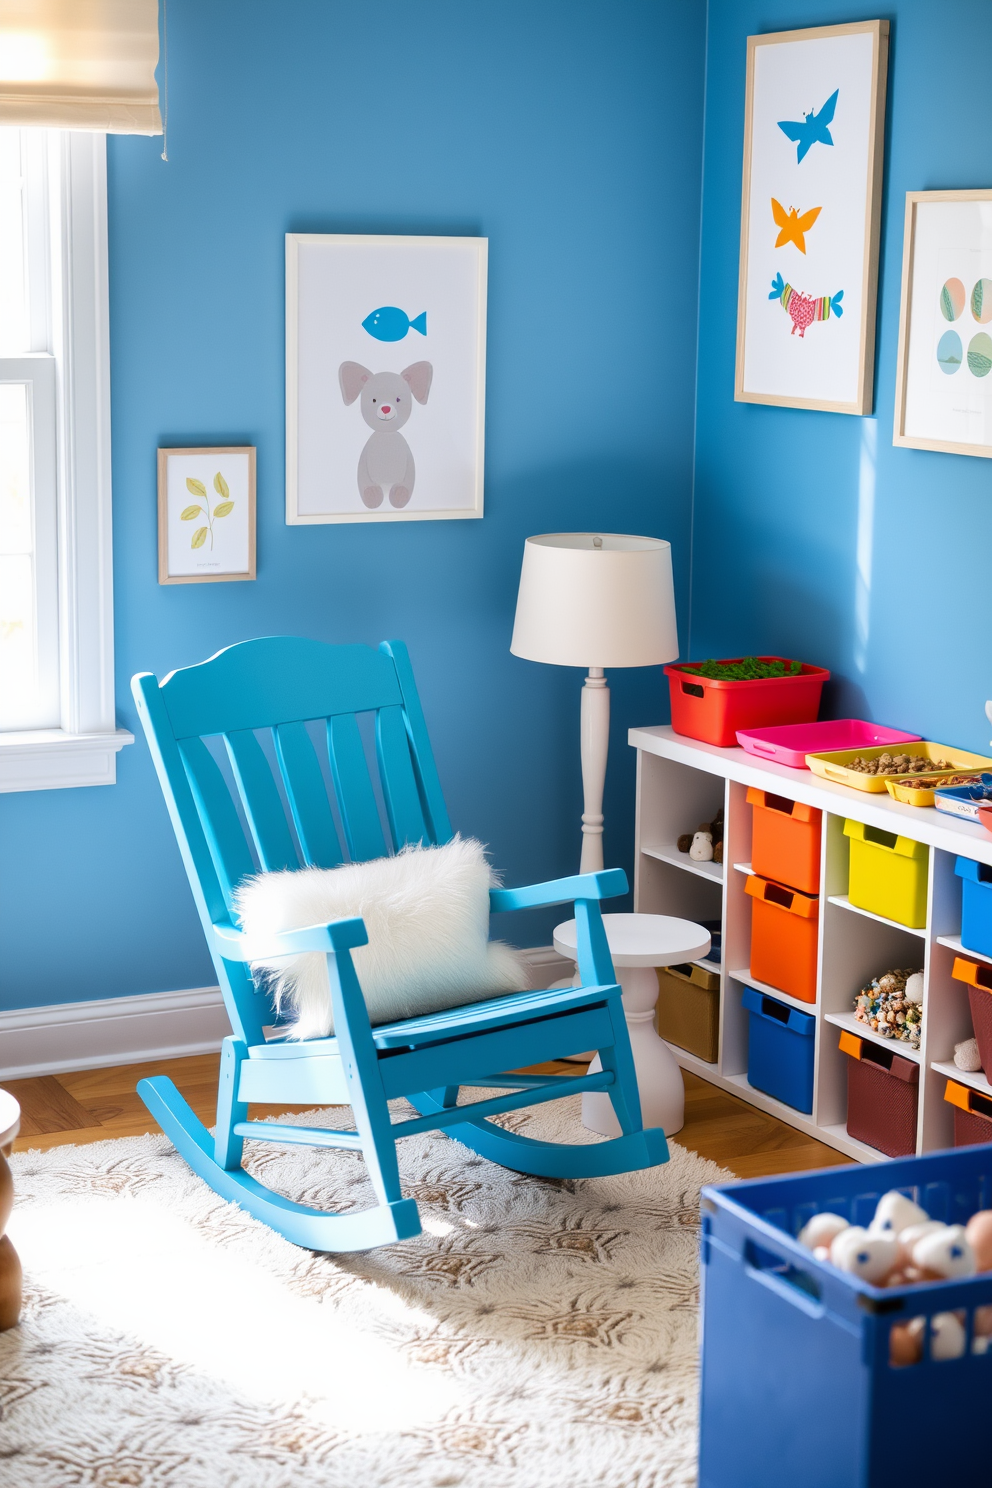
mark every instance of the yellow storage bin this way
{"type": "Point", "coordinates": [888, 874]}
{"type": "Point", "coordinates": [689, 1009]}
{"type": "Point", "coordinates": [836, 765]}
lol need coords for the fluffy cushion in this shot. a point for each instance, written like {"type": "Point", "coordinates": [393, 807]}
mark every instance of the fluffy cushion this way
{"type": "Point", "coordinates": [427, 916]}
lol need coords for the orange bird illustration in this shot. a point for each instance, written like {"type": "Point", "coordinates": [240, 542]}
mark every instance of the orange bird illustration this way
{"type": "Point", "coordinates": [793, 226]}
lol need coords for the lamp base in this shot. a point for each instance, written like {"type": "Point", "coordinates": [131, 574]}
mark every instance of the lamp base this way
{"type": "Point", "coordinates": [594, 728]}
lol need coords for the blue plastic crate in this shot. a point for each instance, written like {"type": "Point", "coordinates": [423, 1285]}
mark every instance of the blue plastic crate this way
{"type": "Point", "coordinates": [780, 1049]}
{"type": "Point", "coordinates": [797, 1387]}
{"type": "Point", "coordinates": [976, 905]}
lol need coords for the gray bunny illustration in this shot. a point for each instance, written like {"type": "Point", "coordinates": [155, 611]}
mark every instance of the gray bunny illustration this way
{"type": "Point", "coordinates": [386, 462]}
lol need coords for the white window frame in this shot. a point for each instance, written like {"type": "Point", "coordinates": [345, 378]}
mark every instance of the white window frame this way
{"type": "Point", "coordinates": [83, 749]}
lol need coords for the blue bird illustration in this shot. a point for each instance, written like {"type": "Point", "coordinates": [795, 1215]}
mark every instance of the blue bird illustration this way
{"type": "Point", "coordinates": [389, 324]}
{"type": "Point", "coordinates": [813, 129]}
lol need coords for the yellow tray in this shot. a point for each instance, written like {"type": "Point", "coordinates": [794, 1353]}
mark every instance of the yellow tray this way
{"type": "Point", "coordinates": [834, 766]}
{"type": "Point", "coordinates": [922, 795]}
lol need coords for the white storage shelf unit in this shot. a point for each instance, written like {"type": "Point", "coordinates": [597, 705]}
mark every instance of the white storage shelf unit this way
{"type": "Point", "coordinates": [681, 783]}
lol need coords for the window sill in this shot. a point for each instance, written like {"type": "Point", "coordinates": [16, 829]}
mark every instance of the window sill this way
{"type": "Point", "coordinates": [50, 759]}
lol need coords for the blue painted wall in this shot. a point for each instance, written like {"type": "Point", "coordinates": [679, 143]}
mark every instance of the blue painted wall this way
{"type": "Point", "coordinates": [569, 134]}
{"type": "Point", "coordinates": [814, 536]}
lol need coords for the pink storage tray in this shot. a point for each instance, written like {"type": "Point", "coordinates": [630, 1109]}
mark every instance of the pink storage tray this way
{"type": "Point", "coordinates": [790, 743]}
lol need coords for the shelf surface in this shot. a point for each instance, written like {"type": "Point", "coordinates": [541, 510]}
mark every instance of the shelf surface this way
{"type": "Point", "coordinates": [744, 868]}
{"type": "Point", "coordinates": [750, 981]}
{"type": "Point", "coordinates": [843, 902]}
{"type": "Point", "coordinates": [921, 823]}
{"type": "Point", "coordinates": [853, 1025]}
{"type": "Point", "coordinates": [838, 1129]}
{"type": "Point", "coordinates": [953, 942]}
{"type": "Point", "coordinates": [977, 1079]}
{"type": "Point", "coordinates": [667, 852]}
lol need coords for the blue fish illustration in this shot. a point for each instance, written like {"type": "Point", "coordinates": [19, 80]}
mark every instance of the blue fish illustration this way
{"type": "Point", "coordinates": [389, 324]}
{"type": "Point", "coordinates": [813, 128]}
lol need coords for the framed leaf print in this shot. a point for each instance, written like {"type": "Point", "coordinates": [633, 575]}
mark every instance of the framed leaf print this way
{"type": "Point", "coordinates": [811, 210]}
{"type": "Point", "coordinates": [206, 514]}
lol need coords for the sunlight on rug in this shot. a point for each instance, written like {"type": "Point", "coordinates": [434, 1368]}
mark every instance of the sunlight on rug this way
{"type": "Point", "coordinates": [539, 1334]}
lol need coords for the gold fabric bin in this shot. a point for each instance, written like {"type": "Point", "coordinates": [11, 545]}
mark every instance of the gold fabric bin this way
{"type": "Point", "coordinates": [689, 1009]}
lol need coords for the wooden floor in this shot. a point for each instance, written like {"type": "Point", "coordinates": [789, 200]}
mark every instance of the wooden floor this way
{"type": "Point", "coordinates": [92, 1105]}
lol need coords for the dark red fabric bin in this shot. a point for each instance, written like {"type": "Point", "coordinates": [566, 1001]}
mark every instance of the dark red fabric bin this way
{"type": "Point", "coordinates": [883, 1091]}
{"type": "Point", "coordinates": [972, 1114]}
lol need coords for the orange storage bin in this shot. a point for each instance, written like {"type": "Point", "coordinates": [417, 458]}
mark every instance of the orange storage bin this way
{"type": "Point", "coordinates": [783, 937]}
{"type": "Point", "coordinates": [785, 840]}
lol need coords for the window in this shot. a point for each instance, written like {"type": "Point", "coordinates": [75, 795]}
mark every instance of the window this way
{"type": "Point", "coordinates": [57, 721]}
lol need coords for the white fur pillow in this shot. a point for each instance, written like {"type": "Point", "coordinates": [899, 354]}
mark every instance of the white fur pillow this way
{"type": "Point", "coordinates": [427, 915]}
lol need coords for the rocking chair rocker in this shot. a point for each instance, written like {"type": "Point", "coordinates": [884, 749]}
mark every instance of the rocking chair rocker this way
{"type": "Point", "coordinates": [271, 689]}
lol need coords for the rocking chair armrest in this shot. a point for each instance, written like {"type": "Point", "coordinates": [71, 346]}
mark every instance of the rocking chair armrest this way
{"type": "Point", "coordinates": [605, 884]}
{"type": "Point", "coordinates": [339, 935]}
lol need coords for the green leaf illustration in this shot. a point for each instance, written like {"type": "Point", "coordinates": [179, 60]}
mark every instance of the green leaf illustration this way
{"type": "Point", "coordinates": [199, 537]}
{"type": "Point", "coordinates": [197, 488]}
{"type": "Point", "coordinates": [189, 512]}
{"type": "Point", "coordinates": [221, 486]}
{"type": "Point", "coordinates": [224, 509]}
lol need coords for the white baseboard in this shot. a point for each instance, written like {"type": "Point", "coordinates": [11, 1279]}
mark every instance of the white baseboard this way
{"type": "Point", "coordinates": [153, 1025]}
{"type": "Point", "coordinates": [113, 1030]}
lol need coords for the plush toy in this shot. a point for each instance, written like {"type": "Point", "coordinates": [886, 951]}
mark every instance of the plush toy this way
{"type": "Point", "coordinates": [701, 848]}
{"type": "Point", "coordinates": [979, 1233]}
{"type": "Point", "coordinates": [872, 1257]}
{"type": "Point", "coordinates": [822, 1230]}
{"type": "Point", "coordinates": [947, 1336]}
{"type": "Point", "coordinates": [946, 1254]}
{"type": "Point", "coordinates": [966, 1055]}
{"type": "Point", "coordinates": [688, 842]}
{"type": "Point", "coordinates": [895, 1213]}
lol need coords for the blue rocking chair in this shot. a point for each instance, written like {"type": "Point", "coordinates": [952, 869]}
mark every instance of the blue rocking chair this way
{"type": "Point", "coordinates": [267, 692]}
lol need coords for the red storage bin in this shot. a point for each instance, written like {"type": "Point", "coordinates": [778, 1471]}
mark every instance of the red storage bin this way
{"type": "Point", "coordinates": [713, 711]}
{"type": "Point", "coordinates": [978, 976]}
{"type": "Point", "coordinates": [783, 937]}
{"type": "Point", "coordinates": [883, 1092]}
{"type": "Point", "coordinates": [785, 840]}
{"type": "Point", "coordinates": [972, 1114]}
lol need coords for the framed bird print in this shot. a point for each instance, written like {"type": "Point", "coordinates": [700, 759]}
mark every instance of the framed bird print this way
{"type": "Point", "coordinates": [810, 217]}
{"type": "Point", "coordinates": [943, 381]}
{"type": "Point", "coordinates": [385, 377]}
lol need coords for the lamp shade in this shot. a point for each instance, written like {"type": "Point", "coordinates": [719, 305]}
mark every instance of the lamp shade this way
{"type": "Point", "coordinates": [596, 599]}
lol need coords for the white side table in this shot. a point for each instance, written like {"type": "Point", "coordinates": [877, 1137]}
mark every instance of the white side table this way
{"type": "Point", "coordinates": [638, 944]}
{"type": "Point", "coordinates": [10, 1266]}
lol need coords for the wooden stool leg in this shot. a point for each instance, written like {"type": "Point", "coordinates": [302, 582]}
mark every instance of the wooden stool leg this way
{"type": "Point", "coordinates": [10, 1265]}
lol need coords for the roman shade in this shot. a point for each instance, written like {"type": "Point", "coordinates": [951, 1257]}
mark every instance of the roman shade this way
{"type": "Point", "coordinates": [80, 64]}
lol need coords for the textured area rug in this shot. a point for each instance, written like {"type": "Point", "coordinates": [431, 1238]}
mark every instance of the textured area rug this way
{"type": "Point", "coordinates": [539, 1334]}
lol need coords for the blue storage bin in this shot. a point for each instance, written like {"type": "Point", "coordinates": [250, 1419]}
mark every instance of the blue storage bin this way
{"type": "Point", "coordinates": [976, 905]}
{"type": "Point", "coordinates": [780, 1050]}
{"type": "Point", "coordinates": [797, 1387]}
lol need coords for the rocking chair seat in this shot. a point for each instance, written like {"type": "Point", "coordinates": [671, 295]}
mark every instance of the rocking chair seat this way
{"type": "Point", "coordinates": [261, 801]}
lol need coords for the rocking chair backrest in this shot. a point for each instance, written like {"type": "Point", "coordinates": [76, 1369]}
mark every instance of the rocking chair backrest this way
{"type": "Point", "coordinates": [277, 810]}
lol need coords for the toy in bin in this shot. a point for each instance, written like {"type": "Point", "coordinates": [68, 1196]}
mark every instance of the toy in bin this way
{"type": "Point", "coordinates": [847, 1326]}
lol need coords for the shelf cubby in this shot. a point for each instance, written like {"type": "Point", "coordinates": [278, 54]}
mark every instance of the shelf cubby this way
{"type": "Point", "coordinates": [681, 783]}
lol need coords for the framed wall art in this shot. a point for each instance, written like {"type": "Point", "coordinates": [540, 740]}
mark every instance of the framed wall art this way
{"type": "Point", "coordinates": [206, 514]}
{"type": "Point", "coordinates": [385, 377]}
{"type": "Point", "coordinates": [811, 211]}
{"type": "Point", "coordinates": [943, 381]}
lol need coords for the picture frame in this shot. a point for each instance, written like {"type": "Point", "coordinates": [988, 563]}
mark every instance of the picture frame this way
{"type": "Point", "coordinates": [811, 217]}
{"type": "Point", "coordinates": [215, 483]}
{"type": "Point", "coordinates": [943, 388]}
{"type": "Point", "coordinates": [385, 331]}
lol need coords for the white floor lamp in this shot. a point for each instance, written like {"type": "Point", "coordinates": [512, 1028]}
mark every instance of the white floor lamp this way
{"type": "Point", "coordinates": [595, 600]}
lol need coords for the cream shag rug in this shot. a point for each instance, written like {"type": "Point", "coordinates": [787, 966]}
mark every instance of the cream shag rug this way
{"type": "Point", "coordinates": [539, 1334]}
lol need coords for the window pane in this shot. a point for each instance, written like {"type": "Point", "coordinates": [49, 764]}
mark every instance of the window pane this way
{"type": "Point", "coordinates": [25, 687]}
{"type": "Point", "coordinates": [14, 326]}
